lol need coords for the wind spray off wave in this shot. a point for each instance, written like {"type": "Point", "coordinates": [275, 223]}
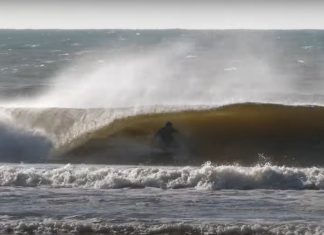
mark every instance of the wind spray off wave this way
{"type": "Point", "coordinates": [93, 109]}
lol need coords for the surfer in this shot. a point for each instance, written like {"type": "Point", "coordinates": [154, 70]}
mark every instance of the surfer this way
{"type": "Point", "coordinates": [165, 136]}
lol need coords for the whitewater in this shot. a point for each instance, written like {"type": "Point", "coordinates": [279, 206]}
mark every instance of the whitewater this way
{"type": "Point", "coordinates": [79, 109]}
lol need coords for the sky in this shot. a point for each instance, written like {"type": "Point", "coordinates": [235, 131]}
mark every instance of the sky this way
{"type": "Point", "coordinates": [161, 14]}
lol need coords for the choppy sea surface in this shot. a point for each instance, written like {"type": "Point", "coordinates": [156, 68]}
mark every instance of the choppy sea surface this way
{"type": "Point", "coordinates": [79, 109]}
{"type": "Point", "coordinates": [161, 200]}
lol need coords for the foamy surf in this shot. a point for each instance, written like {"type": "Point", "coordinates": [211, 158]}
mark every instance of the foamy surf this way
{"type": "Point", "coordinates": [101, 227]}
{"type": "Point", "coordinates": [207, 177]}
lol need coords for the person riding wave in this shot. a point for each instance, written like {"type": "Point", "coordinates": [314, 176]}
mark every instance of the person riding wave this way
{"type": "Point", "coordinates": [165, 136]}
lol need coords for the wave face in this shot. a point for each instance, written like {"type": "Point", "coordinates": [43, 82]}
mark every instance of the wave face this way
{"type": "Point", "coordinates": [238, 133]}
{"type": "Point", "coordinates": [205, 177]}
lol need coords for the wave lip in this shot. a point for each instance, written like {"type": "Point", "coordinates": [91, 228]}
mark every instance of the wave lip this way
{"type": "Point", "coordinates": [206, 177]}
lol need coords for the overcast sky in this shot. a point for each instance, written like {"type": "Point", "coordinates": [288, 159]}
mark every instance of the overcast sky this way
{"type": "Point", "coordinates": [157, 14]}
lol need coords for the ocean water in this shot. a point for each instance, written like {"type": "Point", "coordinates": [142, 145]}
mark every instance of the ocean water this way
{"type": "Point", "coordinates": [79, 109]}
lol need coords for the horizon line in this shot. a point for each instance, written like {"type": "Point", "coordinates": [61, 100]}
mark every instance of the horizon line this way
{"type": "Point", "coordinates": [196, 29]}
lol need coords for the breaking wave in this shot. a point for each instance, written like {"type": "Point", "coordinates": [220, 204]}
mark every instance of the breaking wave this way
{"type": "Point", "coordinates": [20, 144]}
{"type": "Point", "coordinates": [236, 133]}
{"type": "Point", "coordinates": [204, 177]}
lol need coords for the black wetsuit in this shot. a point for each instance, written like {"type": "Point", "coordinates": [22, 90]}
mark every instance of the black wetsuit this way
{"type": "Point", "coordinates": [165, 136]}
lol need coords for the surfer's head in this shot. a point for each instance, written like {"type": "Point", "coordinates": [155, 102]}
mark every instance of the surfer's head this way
{"type": "Point", "coordinates": [168, 124]}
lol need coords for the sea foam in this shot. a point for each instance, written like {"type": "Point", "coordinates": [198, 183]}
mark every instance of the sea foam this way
{"type": "Point", "coordinates": [207, 177]}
